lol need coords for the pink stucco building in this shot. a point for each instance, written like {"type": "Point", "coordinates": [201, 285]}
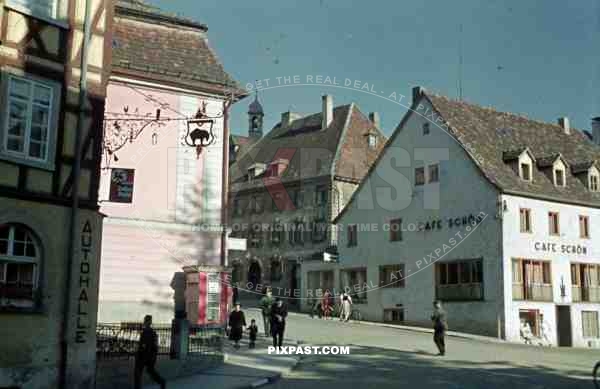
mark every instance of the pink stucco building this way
{"type": "Point", "coordinates": [162, 200]}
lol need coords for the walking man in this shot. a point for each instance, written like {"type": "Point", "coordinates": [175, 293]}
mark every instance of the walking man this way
{"type": "Point", "coordinates": [346, 304]}
{"type": "Point", "coordinates": [440, 326]}
{"type": "Point", "coordinates": [266, 303]}
{"type": "Point", "coordinates": [278, 315]}
{"type": "Point", "coordinates": [146, 355]}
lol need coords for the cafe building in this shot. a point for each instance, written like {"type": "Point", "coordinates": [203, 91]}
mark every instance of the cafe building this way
{"type": "Point", "coordinates": [495, 214]}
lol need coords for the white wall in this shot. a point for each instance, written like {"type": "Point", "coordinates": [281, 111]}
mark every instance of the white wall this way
{"type": "Point", "coordinates": [522, 245]}
{"type": "Point", "coordinates": [462, 191]}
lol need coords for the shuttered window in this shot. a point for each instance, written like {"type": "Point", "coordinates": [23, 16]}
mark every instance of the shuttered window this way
{"type": "Point", "coordinates": [589, 324]}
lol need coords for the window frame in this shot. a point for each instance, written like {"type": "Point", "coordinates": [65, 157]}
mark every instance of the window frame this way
{"type": "Point", "coordinates": [551, 223]}
{"type": "Point", "coordinates": [584, 227]}
{"type": "Point", "coordinates": [525, 216]}
{"type": "Point", "coordinates": [6, 75]}
{"type": "Point", "coordinates": [20, 303]}
{"type": "Point", "coordinates": [559, 173]}
{"type": "Point", "coordinates": [594, 182]}
{"type": "Point", "coordinates": [426, 128]}
{"type": "Point", "coordinates": [596, 332]}
{"type": "Point", "coordinates": [57, 17]}
{"type": "Point", "coordinates": [437, 169]}
{"type": "Point", "coordinates": [372, 141]}
{"type": "Point", "coordinates": [443, 279]}
{"type": "Point", "coordinates": [529, 170]}
{"type": "Point", "coordinates": [385, 276]}
{"type": "Point", "coordinates": [396, 236]}
{"type": "Point", "coordinates": [352, 235]}
{"type": "Point", "coordinates": [419, 182]}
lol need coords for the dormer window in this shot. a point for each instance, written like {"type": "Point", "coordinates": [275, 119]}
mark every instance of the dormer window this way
{"type": "Point", "coordinates": [559, 177]}
{"type": "Point", "coordinates": [372, 141]}
{"type": "Point", "coordinates": [525, 171]}
{"type": "Point", "coordinates": [593, 184]}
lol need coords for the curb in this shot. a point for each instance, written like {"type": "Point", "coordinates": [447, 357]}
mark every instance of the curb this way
{"type": "Point", "coordinates": [264, 381]}
{"type": "Point", "coordinates": [420, 329]}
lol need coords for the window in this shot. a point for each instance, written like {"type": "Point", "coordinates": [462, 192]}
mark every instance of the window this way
{"type": "Point", "coordinates": [355, 282]}
{"type": "Point", "coordinates": [277, 199]}
{"type": "Point", "coordinates": [40, 8]}
{"type": "Point", "coordinates": [419, 176]}
{"type": "Point", "coordinates": [585, 282]}
{"type": "Point", "coordinates": [29, 128]}
{"type": "Point", "coordinates": [584, 227]}
{"type": "Point", "coordinates": [532, 280]}
{"type": "Point", "coordinates": [237, 207]}
{"type": "Point", "coordinates": [532, 319]}
{"type": "Point", "coordinates": [525, 219]}
{"type": "Point", "coordinates": [372, 140]}
{"type": "Point", "coordinates": [258, 208]}
{"type": "Point", "coordinates": [589, 324]}
{"type": "Point", "coordinates": [319, 232]}
{"type": "Point", "coordinates": [434, 173]}
{"type": "Point", "coordinates": [352, 235]}
{"type": "Point", "coordinates": [525, 170]}
{"type": "Point", "coordinates": [19, 266]}
{"type": "Point", "coordinates": [213, 297]}
{"type": "Point", "coordinates": [395, 230]}
{"type": "Point", "coordinates": [554, 228]}
{"type": "Point", "coordinates": [395, 315]}
{"type": "Point", "coordinates": [299, 199]}
{"type": "Point", "coordinates": [392, 276]}
{"type": "Point", "coordinates": [460, 280]}
{"type": "Point", "coordinates": [426, 129]}
{"type": "Point", "coordinates": [277, 233]}
{"type": "Point", "coordinates": [593, 183]}
{"type": "Point", "coordinates": [321, 196]}
{"type": "Point", "coordinates": [276, 270]}
{"type": "Point", "coordinates": [298, 231]}
{"type": "Point", "coordinates": [559, 177]}
{"type": "Point", "coordinates": [256, 236]}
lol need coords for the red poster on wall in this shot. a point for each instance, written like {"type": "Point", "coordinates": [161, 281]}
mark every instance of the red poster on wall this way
{"type": "Point", "coordinates": [121, 185]}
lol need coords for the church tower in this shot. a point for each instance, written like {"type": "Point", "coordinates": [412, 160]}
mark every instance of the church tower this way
{"type": "Point", "coordinates": [255, 119]}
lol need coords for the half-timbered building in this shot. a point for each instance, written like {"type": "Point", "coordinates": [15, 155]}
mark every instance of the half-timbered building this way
{"type": "Point", "coordinates": [49, 289]}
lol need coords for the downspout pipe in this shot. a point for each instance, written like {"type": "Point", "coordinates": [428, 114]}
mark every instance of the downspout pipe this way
{"type": "Point", "coordinates": [76, 172]}
{"type": "Point", "coordinates": [225, 181]}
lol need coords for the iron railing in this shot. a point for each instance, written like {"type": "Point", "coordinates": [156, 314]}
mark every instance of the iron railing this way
{"type": "Point", "coordinates": [205, 340]}
{"type": "Point", "coordinates": [120, 341]}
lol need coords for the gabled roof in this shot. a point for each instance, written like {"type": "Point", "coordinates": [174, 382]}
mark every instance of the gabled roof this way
{"type": "Point", "coordinates": [549, 160]}
{"type": "Point", "coordinates": [307, 142]}
{"type": "Point", "coordinates": [583, 167]}
{"type": "Point", "coordinates": [511, 155]}
{"type": "Point", "coordinates": [499, 137]}
{"type": "Point", "coordinates": [155, 46]}
{"type": "Point", "coordinates": [476, 125]}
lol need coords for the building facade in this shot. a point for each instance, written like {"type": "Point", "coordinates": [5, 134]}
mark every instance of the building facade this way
{"type": "Point", "coordinates": [49, 277]}
{"type": "Point", "coordinates": [286, 188]}
{"type": "Point", "coordinates": [163, 198]}
{"type": "Point", "coordinates": [494, 215]}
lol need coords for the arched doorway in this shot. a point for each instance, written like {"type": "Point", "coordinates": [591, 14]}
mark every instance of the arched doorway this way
{"type": "Point", "coordinates": [254, 274]}
{"type": "Point", "coordinates": [236, 273]}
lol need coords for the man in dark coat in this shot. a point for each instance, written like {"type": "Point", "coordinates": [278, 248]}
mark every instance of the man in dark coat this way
{"type": "Point", "coordinates": [278, 315]}
{"type": "Point", "coordinates": [440, 326]}
{"type": "Point", "coordinates": [146, 355]}
{"type": "Point", "coordinates": [237, 323]}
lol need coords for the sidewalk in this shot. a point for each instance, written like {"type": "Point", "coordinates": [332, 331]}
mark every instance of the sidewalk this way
{"type": "Point", "coordinates": [243, 368]}
{"type": "Point", "coordinates": [455, 334]}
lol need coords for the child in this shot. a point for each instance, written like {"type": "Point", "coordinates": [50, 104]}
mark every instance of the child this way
{"type": "Point", "coordinates": [253, 329]}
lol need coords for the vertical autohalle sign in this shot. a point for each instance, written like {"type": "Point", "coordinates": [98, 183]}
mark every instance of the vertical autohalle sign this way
{"type": "Point", "coordinates": [84, 284]}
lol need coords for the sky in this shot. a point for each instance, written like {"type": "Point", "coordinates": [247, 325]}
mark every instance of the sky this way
{"type": "Point", "coordinates": [538, 58]}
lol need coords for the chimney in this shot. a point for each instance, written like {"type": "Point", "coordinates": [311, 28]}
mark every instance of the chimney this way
{"type": "Point", "coordinates": [327, 111]}
{"type": "Point", "coordinates": [564, 123]}
{"type": "Point", "coordinates": [417, 92]}
{"type": "Point", "coordinates": [374, 118]}
{"type": "Point", "coordinates": [286, 119]}
{"type": "Point", "coordinates": [596, 130]}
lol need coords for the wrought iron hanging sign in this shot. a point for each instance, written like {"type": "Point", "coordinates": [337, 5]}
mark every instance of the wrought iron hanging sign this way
{"type": "Point", "coordinates": [200, 130]}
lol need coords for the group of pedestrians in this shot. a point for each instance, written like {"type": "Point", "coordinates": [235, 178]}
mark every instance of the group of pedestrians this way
{"type": "Point", "coordinates": [324, 308]}
{"type": "Point", "coordinates": [274, 314]}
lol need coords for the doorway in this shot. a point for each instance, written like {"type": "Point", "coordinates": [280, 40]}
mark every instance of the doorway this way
{"type": "Point", "coordinates": [563, 325]}
{"type": "Point", "coordinates": [254, 274]}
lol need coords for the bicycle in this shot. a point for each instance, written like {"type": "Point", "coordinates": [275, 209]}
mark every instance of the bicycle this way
{"type": "Point", "coordinates": [596, 375]}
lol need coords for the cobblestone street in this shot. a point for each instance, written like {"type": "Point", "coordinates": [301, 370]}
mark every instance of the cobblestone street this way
{"type": "Point", "coordinates": [386, 357]}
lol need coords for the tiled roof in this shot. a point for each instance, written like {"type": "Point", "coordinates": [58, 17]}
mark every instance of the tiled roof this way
{"type": "Point", "coordinates": [478, 127]}
{"type": "Point", "coordinates": [309, 143]}
{"type": "Point", "coordinates": [154, 45]}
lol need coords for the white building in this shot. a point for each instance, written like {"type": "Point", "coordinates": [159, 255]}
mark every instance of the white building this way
{"type": "Point", "coordinates": [490, 212]}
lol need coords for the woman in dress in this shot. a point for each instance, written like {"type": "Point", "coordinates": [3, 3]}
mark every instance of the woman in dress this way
{"type": "Point", "coordinates": [237, 324]}
{"type": "Point", "coordinates": [326, 304]}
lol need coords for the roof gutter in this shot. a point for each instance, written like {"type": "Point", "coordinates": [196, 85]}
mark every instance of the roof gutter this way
{"type": "Point", "coordinates": [76, 173]}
